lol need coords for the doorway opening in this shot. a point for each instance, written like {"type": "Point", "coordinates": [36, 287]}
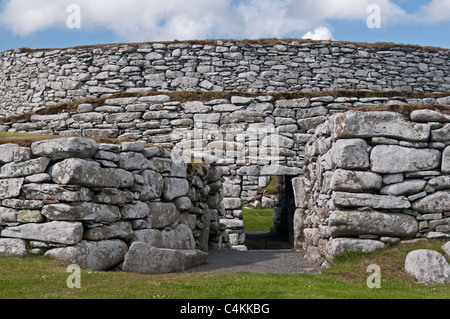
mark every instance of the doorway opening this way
{"type": "Point", "coordinates": [268, 218]}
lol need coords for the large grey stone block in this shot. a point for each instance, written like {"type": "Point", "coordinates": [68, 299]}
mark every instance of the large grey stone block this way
{"type": "Point", "coordinates": [391, 159]}
{"type": "Point", "coordinates": [355, 181]}
{"type": "Point", "coordinates": [85, 173]}
{"type": "Point", "coordinates": [84, 211]}
{"type": "Point", "coordinates": [438, 202]}
{"type": "Point", "coordinates": [65, 148]}
{"type": "Point", "coordinates": [354, 223]}
{"type": "Point", "coordinates": [350, 154]}
{"type": "Point", "coordinates": [378, 124]}
{"type": "Point", "coordinates": [146, 259]}
{"type": "Point", "coordinates": [68, 233]}
{"type": "Point", "coordinates": [342, 199]}
{"type": "Point", "coordinates": [428, 267]}
{"type": "Point", "coordinates": [101, 255]}
{"type": "Point", "coordinates": [10, 187]}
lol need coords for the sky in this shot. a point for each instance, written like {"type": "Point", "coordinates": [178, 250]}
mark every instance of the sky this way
{"type": "Point", "coordinates": [67, 23]}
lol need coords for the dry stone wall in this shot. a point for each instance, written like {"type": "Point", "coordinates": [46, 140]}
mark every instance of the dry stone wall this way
{"type": "Point", "coordinates": [373, 179]}
{"type": "Point", "coordinates": [33, 79]}
{"type": "Point", "coordinates": [102, 205]}
{"type": "Point", "coordinates": [250, 138]}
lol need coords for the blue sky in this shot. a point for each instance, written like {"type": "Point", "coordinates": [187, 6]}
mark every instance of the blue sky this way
{"type": "Point", "coordinates": [67, 23]}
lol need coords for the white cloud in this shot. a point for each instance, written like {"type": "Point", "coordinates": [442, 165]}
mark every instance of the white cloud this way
{"type": "Point", "coordinates": [434, 12]}
{"type": "Point", "coordinates": [320, 33]}
{"type": "Point", "coordinates": [152, 20]}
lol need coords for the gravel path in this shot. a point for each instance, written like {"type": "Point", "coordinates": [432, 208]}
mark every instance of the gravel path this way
{"type": "Point", "coordinates": [284, 261]}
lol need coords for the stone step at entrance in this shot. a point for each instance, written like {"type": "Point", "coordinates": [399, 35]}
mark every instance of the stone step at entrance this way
{"type": "Point", "coordinates": [266, 240]}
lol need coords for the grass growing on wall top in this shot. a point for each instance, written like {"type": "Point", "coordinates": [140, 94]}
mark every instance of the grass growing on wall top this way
{"type": "Point", "coordinates": [39, 277]}
{"type": "Point", "coordinates": [206, 96]}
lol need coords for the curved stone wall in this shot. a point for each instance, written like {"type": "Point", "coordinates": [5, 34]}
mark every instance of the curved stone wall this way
{"type": "Point", "coordinates": [32, 79]}
{"type": "Point", "coordinates": [373, 179]}
{"type": "Point", "coordinates": [102, 205]}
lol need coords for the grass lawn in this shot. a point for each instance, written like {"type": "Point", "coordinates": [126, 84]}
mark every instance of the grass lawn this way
{"type": "Point", "coordinates": [38, 277]}
{"type": "Point", "coordinates": [258, 219]}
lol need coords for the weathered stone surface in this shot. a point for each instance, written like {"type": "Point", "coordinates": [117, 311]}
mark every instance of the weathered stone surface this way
{"type": "Point", "coordinates": [69, 233]}
{"type": "Point", "coordinates": [440, 182]}
{"type": "Point", "coordinates": [162, 214]}
{"type": "Point", "coordinates": [180, 237]}
{"type": "Point", "coordinates": [350, 154]}
{"type": "Point", "coordinates": [445, 168]}
{"type": "Point", "coordinates": [446, 248]}
{"type": "Point", "coordinates": [339, 246]}
{"type": "Point", "coordinates": [85, 211]}
{"type": "Point", "coordinates": [101, 255]}
{"type": "Point", "coordinates": [65, 148]}
{"type": "Point", "coordinates": [57, 192]}
{"type": "Point", "coordinates": [113, 196]}
{"type": "Point", "coordinates": [30, 167]}
{"type": "Point", "coordinates": [134, 210]}
{"type": "Point", "coordinates": [429, 116]}
{"type": "Point", "coordinates": [174, 187]}
{"type": "Point", "coordinates": [82, 172]}
{"type": "Point", "coordinates": [441, 135]}
{"type": "Point", "coordinates": [342, 199]}
{"type": "Point", "coordinates": [232, 203]}
{"type": "Point", "coordinates": [355, 181]}
{"type": "Point", "coordinates": [301, 193]}
{"type": "Point", "coordinates": [405, 188]}
{"type": "Point", "coordinates": [231, 223]}
{"type": "Point", "coordinates": [12, 247]}
{"type": "Point", "coordinates": [146, 259]}
{"type": "Point", "coordinates": [378, 124]}
{"type": "Point", "coordinates": [8, 214]}
{"type": "Point", "coordinates": [438, 202]}
{"type": "Point", "coordinates": [7, 152]}
{"type": "Point", "coordinates": [29, 216]}
{"type": "Point", "coordinates": [118, 230]}
{"type": "Point", "coordinates": [134, 161]}
{"type": "Point", "coordinates": [428, 267]}
{"type": "Point", "coordinates": [354, 223]}
{"type": "Point", "coordinates": [153, 185]}
{"type": "Point", "coordinates": [390, 159]}
{"type": "Point", "coordinates": [10, 187]}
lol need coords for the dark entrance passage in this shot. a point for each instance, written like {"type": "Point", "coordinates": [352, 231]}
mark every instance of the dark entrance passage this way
{"type": "Point", "coordinates": [281, 234]}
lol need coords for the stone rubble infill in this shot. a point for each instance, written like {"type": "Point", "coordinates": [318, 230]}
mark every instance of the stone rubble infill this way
{"type": "Point", "coordinates": [91, 203]}
{"type": "Point", "coordinates": [373, 179]}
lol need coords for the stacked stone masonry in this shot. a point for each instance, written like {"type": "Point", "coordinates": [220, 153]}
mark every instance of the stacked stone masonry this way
{"type": "Point", "coordinates": [104, 206]}
{"type": "Point", "coordinates": [373, 179]}
{"type": "Point", "coordinates": [33, 79]}
{"type": "Point", "coordinates": [250, 138]}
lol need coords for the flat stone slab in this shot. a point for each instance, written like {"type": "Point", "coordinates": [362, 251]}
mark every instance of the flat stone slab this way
{"type": "Point", "coordinates": [437, 202]}
{"type": "Point", "coordinates": [68, 233]}
{"type": "Point", "coordinates": [65, 148]}
{"type": "Point", "coordinates": [391, 159]}
{"type": "Point", "coordinates": [101, 255]}
{"type": "Point", "coordinates": [144, 258]}
{"type": "Point", "coordinates": [342, 199]}
{"type": "Point", "coordinates": [378, 124]}
{"type": "Point", "coordinates": [355, 223]}
{"type": "Point", "coordinates": [339, 246]}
